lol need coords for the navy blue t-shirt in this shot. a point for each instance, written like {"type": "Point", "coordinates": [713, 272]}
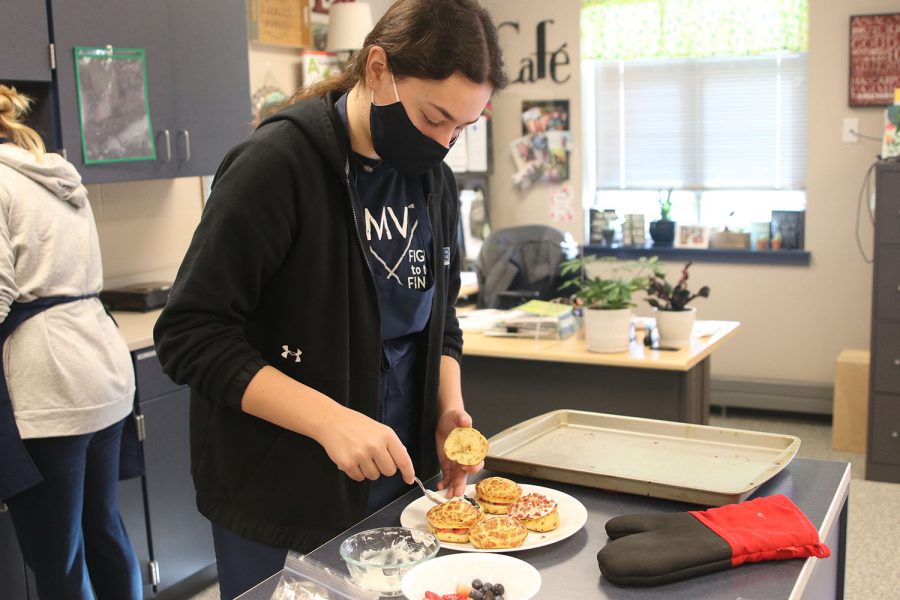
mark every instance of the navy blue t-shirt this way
{"type": "Point", "coordinates": [399, 243]}
{"type": "Point", "coordinates": [398, 236]}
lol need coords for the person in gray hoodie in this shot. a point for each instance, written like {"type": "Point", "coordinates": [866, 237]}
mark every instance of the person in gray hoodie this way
{"type": "Point", "coordinates": [68, 383]}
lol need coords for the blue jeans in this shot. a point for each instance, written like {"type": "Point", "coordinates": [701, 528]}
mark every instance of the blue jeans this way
{"type": "Point", "coordinates": [243, 563]}
{"type": "Point", "coordinates": [68, 526]}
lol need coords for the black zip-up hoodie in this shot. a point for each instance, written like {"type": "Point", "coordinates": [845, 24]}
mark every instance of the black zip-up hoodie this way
{"type": "Point", "coordinates": [277, 269]}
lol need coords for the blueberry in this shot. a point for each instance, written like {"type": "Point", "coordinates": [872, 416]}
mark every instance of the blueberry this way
{"type": "Point", "coordinates": [498, 597]}
{"type": "Point", "coordinates": [487, 587]}
{"type": "Point", "coordinates": [476, 584]}
{"type": "Point", "coordinates": [476, 595]}
{"type": "Point", "coordinates": [498, 590]}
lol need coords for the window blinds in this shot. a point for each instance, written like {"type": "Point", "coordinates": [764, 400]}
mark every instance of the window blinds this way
{"type": "Point", "coordinates": [700, 124]}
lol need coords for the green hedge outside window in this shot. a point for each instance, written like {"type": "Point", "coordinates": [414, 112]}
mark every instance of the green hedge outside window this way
{"type": "Point", "coordinates": [636, 29]}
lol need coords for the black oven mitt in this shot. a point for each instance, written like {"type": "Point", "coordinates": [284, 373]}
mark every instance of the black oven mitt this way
{"type": "Point", "coordinates": [651, 549]}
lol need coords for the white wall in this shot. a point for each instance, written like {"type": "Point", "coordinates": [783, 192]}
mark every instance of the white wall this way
{"type": "Point", "coordinates": [796, 320]}
{"type": "Point", "coordinates": [145, 227]}
{"type": "Point", "coordinates": [509, 207]}
{"type": "Point", "coordinates": [284, 63]}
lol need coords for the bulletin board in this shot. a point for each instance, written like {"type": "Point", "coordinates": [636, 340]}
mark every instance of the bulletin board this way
{"type": "Point", "coordinates": [874, 59]}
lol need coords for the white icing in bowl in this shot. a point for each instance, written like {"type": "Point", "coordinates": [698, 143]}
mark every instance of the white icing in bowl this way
{"type": "Point", "coordinates": [377, 559]}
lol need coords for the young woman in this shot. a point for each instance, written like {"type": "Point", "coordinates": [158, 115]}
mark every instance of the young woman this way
{"type": "Point", "coordinates": [66, 383]}
{"type": "Point", "coordinates": [313, 316]}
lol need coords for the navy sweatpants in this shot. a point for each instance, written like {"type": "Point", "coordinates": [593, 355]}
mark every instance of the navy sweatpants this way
{"type": "Point", "coordinates": [69, 527]}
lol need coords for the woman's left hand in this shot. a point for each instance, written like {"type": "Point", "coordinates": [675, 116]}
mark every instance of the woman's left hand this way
{"type": "Point", "coordinates": [454, 473]}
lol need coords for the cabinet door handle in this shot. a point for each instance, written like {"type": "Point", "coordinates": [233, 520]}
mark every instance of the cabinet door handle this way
{"type": "Point", "coordinates": [168, 144]}
{"type": "Point", "coordinates": [186, 134]}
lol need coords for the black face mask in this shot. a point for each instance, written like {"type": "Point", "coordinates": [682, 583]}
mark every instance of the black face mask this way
{"type": "Point", "coordinates": [399, 142]}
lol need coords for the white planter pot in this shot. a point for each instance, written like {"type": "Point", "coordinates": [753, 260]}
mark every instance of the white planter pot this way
{"type": "Point", "coordinates": [607, 330]}
{"type": "Point", "coordinates": [675, 326]}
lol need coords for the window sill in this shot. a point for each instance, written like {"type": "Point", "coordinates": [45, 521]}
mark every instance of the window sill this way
{"type": "Point", "coordinates": [712, 255]}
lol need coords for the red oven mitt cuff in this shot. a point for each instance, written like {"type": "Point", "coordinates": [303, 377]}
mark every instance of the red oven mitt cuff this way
{"type": "Point", "coordinates": [770, 528]}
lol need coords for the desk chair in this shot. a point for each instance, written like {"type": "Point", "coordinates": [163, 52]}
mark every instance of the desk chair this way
{"type": "Point", "coordinates": [522, 263]}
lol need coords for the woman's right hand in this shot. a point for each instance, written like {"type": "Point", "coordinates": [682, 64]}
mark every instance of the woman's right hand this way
{"type": "Point", "coordinates": [362, 447]}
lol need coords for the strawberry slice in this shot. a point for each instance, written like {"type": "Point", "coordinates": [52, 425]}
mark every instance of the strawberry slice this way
{"type": "Point", "coordinates": [453, 597]}
{"type": "Point", "coordinates": [431, 596]}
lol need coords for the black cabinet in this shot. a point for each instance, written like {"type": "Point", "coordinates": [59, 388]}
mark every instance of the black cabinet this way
{"type": "Point", "coordinates": [883, 456]}
{"type": "Point", "coordinates": [25, 42]}
{"type": "Point", "coordinates": [196, 65]}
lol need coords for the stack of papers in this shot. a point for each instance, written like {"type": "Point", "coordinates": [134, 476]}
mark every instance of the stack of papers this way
{"type": "Point", "coordinates": [535, 319]}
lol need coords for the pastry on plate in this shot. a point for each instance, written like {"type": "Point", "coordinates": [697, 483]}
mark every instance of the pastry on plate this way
{"type": "Point", "coordinates": [466, 446]}
{"type": "Point", "coordinates": [497, 533]}
{"type": "Point", "coordinates": [451, 521]}
{"type": "Point", "coordinates": [536, 511]}
{"type": "Point", "coordinates": [497, 494]}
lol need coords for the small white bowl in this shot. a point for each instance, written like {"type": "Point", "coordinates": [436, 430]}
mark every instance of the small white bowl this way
{"type": "Point", "coordinates": [441, 575]}
{"type": "Point", "coordinates": [379, 558]}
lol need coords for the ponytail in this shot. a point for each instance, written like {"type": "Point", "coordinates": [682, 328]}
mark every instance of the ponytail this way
{"type": "Point", "coordinates": [13, 108]}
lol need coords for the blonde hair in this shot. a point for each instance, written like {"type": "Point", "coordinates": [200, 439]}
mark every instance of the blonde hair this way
{"type": "Point", "coordinates": [13, 108]}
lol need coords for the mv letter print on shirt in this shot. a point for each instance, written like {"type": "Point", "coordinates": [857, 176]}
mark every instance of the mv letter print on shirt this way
{"type": "Point", "coordinates": [400, 251]}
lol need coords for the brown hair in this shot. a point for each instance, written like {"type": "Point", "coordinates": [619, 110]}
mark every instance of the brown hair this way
{"type": "Point", "coordinates": [13, 108]}
{"type": "Point", "coordinates": [427, 39]}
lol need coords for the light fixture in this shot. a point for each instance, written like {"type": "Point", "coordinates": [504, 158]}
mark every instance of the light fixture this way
{"type": "Point", "coordinates": [348, 25]}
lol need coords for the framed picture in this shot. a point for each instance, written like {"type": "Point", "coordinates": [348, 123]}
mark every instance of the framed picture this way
{"type": "Point", "coordinates": [691, 236]}
{"type": "Point", "coordinates": [788, 226]}
{"type": "Point", "coordinates": [633, 230]}
{"type": "Point", "coordinates": [601, 226]}
{"type": "Point", "coordinates": [874, 59]}
{"type": "Point", "coordinates": [280, 23]}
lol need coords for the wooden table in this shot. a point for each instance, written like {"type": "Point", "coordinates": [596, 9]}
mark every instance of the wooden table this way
{"type": "Point", "coordinates": [508, 380]}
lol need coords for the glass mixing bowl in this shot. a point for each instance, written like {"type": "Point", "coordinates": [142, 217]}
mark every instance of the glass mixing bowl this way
{"type": "Point", "coordinates": [379, 558]}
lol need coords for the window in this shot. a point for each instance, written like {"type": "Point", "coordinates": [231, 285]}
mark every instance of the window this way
{"type": "Point", "coordinates": [719, 117]}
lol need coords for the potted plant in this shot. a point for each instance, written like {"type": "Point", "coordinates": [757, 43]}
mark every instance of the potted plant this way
{"type": "Point", "coordinates": [674, 318]}
{"type": "Point", "coordinates": [663, 230]}
{"type": "Point", "coordinates": [606, 300]}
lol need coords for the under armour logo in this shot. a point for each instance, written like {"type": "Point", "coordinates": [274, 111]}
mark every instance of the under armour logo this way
{"type": "Point", "coordinates": [288, 352]}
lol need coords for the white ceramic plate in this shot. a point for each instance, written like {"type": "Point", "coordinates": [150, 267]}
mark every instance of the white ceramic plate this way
{"type": "Point", "coordinates": [442, 574]}
{"type": "Point", "coordinates": [572, 517]}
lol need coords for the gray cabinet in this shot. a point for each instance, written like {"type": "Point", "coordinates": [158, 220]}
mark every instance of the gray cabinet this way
{"type": "Point", "coordinates": [211, 79]}
{"type": "Point", "coordinates": [197, 75]}
{"type": "Point", "coordinates": [883, 457]}
{"type": "Point", "coordinates": [179, 537]}
{"type": "Point", "coordinates": [13, 575]}
{"type": "Point", "coordinates": [172, 540]}
{"type": "Point", "coordinates": [25, 42]}
{"type": "Point", "coordinates": [117, 23]}
{"type": "Point", "coordinates": [131, 507]}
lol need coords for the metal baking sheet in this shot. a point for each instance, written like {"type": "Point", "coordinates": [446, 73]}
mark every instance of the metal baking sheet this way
{"type": "Point", "coordinates": [700, 464]}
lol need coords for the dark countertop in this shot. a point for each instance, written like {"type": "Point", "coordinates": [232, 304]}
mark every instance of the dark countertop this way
{"type": "Point", "coordinates": [569, 568]}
